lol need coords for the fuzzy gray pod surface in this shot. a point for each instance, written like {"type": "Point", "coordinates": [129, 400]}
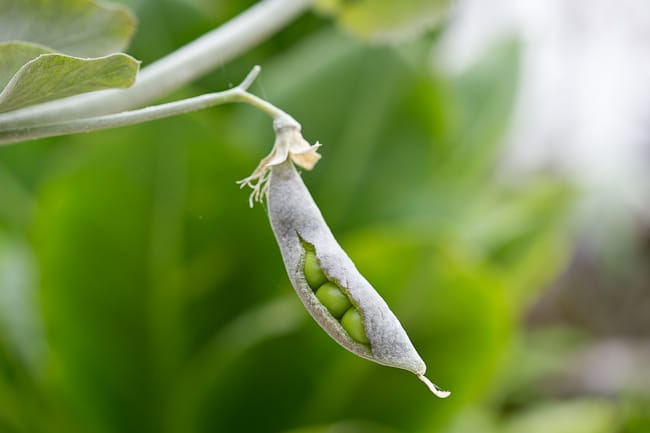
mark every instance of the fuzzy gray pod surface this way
{"type": "Point", "coordinates": [295, 219]}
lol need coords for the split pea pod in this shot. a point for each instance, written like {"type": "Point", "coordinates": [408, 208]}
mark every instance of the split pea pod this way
{"type": "Point", "coordinates": [315, 261]}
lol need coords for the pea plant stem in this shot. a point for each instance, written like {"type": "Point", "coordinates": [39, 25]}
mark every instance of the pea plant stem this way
{"type": "Point", "coordinates": [172, 71]}
{"type": "Point", "coordinates": [236, 94]}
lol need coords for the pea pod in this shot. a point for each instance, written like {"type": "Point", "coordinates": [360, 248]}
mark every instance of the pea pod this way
{"type": "Point", "coordinates": [375, 334]}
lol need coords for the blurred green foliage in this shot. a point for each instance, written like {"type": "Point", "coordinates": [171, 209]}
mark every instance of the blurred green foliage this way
{"type": "Point", "coordinates": [139, 293]}
{"type": "Point", "coordinates": [382, 21]}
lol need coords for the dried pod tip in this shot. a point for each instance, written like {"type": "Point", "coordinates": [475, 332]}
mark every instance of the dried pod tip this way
{"type": "Point", "coordinates": [433, 387]}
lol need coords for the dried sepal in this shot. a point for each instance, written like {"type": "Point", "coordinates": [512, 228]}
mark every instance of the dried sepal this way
{"type": "Point", "coordinates": [289, 144]}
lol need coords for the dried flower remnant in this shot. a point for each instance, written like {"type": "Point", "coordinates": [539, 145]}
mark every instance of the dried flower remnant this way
{"type": "Point", "coordinates": [289, 144]}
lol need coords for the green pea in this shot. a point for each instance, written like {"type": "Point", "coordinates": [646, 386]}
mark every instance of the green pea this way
{"type": "Point", "coordinates": [313, 273]}
{"type": "Point", "coordinates": [334, 299]}
{"type": "Point", "coordinates": [351, 322]}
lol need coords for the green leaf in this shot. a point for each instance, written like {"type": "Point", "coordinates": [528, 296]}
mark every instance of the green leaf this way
{"type": "Point", "coordinates": [121, 311]}
{"type": "Point", "coordinates": [87, 34]}
{"type": "Point", "coordinates": [53, 76]}
{"type": "Point", "coordinates": [483, 102]}
{"type": "Point", "coordinates": [82, 28]}
{"type": "Point", "coordinates": [13, 55]}
{"type": "Point", "coordinates": [90, 344]}
{"type": "Point", "coordinates": [522, 232]}
{"type": "Point", "coordinates": [387, 21]}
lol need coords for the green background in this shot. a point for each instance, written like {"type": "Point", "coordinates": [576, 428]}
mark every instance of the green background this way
{"type": "Point", "coordinates": [141, 294]}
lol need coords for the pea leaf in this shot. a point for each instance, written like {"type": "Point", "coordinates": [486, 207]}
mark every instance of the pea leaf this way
{"type": "Point", "coordinates": [82, 28]}
{"type": "Point", "coordinates": [54, 49]}
{"type": "Point", "coordinates": [51, 76]}
{"type": "Point", "coordinates": [386, 21]}
{"type": "Point", "coordinates": [13, 55]}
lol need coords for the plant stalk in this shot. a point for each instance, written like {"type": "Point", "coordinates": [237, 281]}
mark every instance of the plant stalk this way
{"type": "Point", "coordinates": [97, 123]}
{"type": "Point", "coordinates": [171, 72]}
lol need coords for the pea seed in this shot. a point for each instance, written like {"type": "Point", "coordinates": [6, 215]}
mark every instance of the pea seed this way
{"type": "Point", "coordinates": [334, 299]}
{"type": "Point", "coordinates": [313, 273]}
{"type": "Point", "coordinates": [351, 322]}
